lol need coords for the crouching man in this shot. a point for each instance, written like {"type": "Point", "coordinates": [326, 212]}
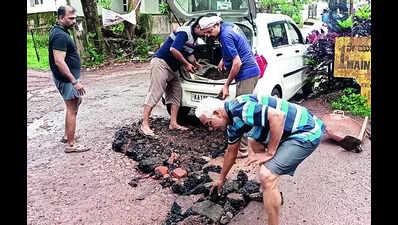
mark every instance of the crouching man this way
{"type": "Point", "coordinates": [281, 135]}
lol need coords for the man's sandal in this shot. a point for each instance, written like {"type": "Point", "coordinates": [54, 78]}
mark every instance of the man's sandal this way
{"type": "Point", "coordinates": [63, 140]}
{"type": "Point", "coordinates": [242, 155]}
{"type": "Point", "coordinates": [76, 148]}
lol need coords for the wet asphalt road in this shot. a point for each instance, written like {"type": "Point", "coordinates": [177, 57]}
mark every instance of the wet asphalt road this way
{"type": "Point", "coordinates": [332, 186]}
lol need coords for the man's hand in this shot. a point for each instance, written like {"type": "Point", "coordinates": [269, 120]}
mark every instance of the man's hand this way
{"type": "Point", "coordinates": [217, 184]}
{"type": "Point", "coordinates": [79, 88]}
{"type": "Point", "coordinates": [259, 158]}
{"type": "Point", "coordinates": [198, 66]}
{"type": "Point", "coordinates": [221, 66]}
{"type": "Point", "coordinates": [190, 68]}
{"type": "Point", "coordinates": [224, 91]}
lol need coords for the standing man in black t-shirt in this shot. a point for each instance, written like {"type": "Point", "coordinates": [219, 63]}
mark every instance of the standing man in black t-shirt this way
{"type": "Point", "coordinates": [65, 66]}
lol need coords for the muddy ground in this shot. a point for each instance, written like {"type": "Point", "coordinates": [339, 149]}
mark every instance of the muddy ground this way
{"type": "Point", "coordinates": [332, 186]}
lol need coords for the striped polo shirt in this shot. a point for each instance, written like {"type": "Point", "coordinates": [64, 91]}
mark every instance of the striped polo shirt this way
{"type": "Point", "coordinates": [248, 115]}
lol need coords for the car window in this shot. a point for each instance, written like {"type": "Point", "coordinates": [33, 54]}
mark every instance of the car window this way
{"type": "Point", "coordinates": [277, 33]}
{"type": "Point", "coordinates": [294, 34]}
{"type": "Point", "coordinates": [212, 5]}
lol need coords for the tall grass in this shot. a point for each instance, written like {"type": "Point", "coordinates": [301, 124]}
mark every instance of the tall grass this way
{"type": "Point", "coordinates": [42, 49]}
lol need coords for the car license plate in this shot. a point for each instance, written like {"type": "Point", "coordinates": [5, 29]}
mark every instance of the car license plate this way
{"type": "Point", "coordinates": [196, 97]}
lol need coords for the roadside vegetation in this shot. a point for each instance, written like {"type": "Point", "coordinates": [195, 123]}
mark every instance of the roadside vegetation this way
{"type": "Point", "coordinates": [345, 92]}
{"type": "Point", "coordinates": [42, 50]}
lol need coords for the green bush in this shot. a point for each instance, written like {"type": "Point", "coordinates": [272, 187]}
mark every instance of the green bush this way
{"type": "Point", "coordinates": [352, 102]}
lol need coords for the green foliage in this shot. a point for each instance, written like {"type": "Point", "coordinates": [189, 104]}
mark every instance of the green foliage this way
{"type": "Point", "coordinates": [364, 12]}
{"type": "Point", "coordinates": [95, 57]}
{"type": "Point", "coordinates": [156, 41]}
{"type": "Point", "coordinates": [352, 102]}
{"type": "Point", "coordinates": [32, 61]}
{"type": "Point", "coordinates": [142, 46]}
{"type": "Point", "coordinates": [292, 9]}
{"type": "Point", "coordinates": [106, 4]}
{"type": "Point", "coordinates": [118, 28]}
{"type": "Point", "coordinates": [346, 23]}
{"type": "Point", "coordinates": [41, 39]}
{"type": "Point", "coordinates": [164, 8]}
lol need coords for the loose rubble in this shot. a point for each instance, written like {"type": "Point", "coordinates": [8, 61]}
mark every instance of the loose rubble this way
{"type": "Point", "coordinates": [179, 160]}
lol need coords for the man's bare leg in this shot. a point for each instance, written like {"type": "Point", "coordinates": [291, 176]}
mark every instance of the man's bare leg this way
{"type": "Point", "coordinates": [173, 119]}
{"type": "Point", "coordinates": [271, 195]}
{"type": "Point", "coordinates": [66, 117]}
{"type": "Point", "coordinates": [145, 121]}
{"type": "Point", "coordinates": [72, 107]}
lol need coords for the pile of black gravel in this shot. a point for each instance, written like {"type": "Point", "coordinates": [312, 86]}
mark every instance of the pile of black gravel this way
{"type": "Point", "coordinates": [194, 148]}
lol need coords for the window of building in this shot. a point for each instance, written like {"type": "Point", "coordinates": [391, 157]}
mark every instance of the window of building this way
{"type": "Point", "coordinates": [125, 5]}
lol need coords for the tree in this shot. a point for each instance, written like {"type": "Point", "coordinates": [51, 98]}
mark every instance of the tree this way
{"type": "Point", "coordinates": [93, 24]}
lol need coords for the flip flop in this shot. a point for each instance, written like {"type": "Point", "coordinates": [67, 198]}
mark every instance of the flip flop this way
{"type": "Point", "coordinates": [63, 140]}
{"type": "Point", "coordinates": [242, 155]}
{"type": "Point", "coordinates": [76, 148]}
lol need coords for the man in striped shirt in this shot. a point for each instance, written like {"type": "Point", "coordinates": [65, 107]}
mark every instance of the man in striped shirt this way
{"type": "Point", "coordinates": [281, 135]}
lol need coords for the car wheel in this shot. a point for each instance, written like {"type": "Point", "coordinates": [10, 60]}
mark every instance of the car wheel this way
{"type": "Point", "coordinates": [276, 93]}
{"type": "Point", "coordinates": [308, 88]}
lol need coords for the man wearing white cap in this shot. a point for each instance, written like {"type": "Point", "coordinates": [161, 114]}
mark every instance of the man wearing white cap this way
{"type": "Point", "coordinates": [237, 59]}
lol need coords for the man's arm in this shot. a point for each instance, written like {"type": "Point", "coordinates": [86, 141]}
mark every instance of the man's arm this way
{"type": "Point", "coordinates": [59, 59]}
{"type": "Point", "coordinates": [176, 48]}
{"type": "Point", "coordinates": [236, 64]}
{"type": "Point", "coordinates": [178, 55]}
{"type": "Point", "coordinates": [276, 123]}
{"type": "Point", "coordinates": [229, 161]}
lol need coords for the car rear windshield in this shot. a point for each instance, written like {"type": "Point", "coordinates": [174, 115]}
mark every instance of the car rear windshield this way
{"type": "Point", "coordinates": [191, 6]}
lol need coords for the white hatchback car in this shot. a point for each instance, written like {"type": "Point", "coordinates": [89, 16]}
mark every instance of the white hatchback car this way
{"type": "Point", "coordinates": [275, 38]}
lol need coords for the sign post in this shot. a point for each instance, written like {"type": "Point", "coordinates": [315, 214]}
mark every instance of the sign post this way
{"type": "Point", "coordinates": [352, 59]}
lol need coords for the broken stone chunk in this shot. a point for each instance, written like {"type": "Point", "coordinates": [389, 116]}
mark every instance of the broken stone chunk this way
{"type": "Point", "coordinates": [212, 168]}
{"type": "Point", "coordinates": [178, 187]}
{"type": "Point", "coordinates": [209, 209]}
{"type": "Point", "coordinates": [148, 165]}
{"type": "Point", "coordinates": [162, 169]}
{"type": "Point", "coordinates": [134, 182]}
{"type": "Point", "coordinates": [258, 196]}
{"type": "Point", "coordinates": [250, 187]}
{"type": "Point", "coordinates": [179, 173]}
{"type": "Point", "coordinates": [242, 176]}
{"type": "Point", "coordinates": [226, 218]}
{"type": "Point", "coordinates": [237, 201]}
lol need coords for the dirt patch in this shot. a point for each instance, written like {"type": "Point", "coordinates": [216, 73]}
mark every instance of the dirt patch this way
{"type": "Point", "coordinates": [191, 151]}
{"type": "Point", "coordinates": [110, 67]}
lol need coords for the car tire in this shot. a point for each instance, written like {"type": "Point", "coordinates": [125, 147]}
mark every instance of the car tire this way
{"type": "Point", "coordinates": [182, 112]}
{"type": "Point", "coordinates": [308, 88]}
{"type": "Point", "coordinates": [276, 92]}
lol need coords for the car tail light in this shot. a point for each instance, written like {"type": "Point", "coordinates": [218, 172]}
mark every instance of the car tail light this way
{"type": "Point", "coordinates": [262, 63]}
